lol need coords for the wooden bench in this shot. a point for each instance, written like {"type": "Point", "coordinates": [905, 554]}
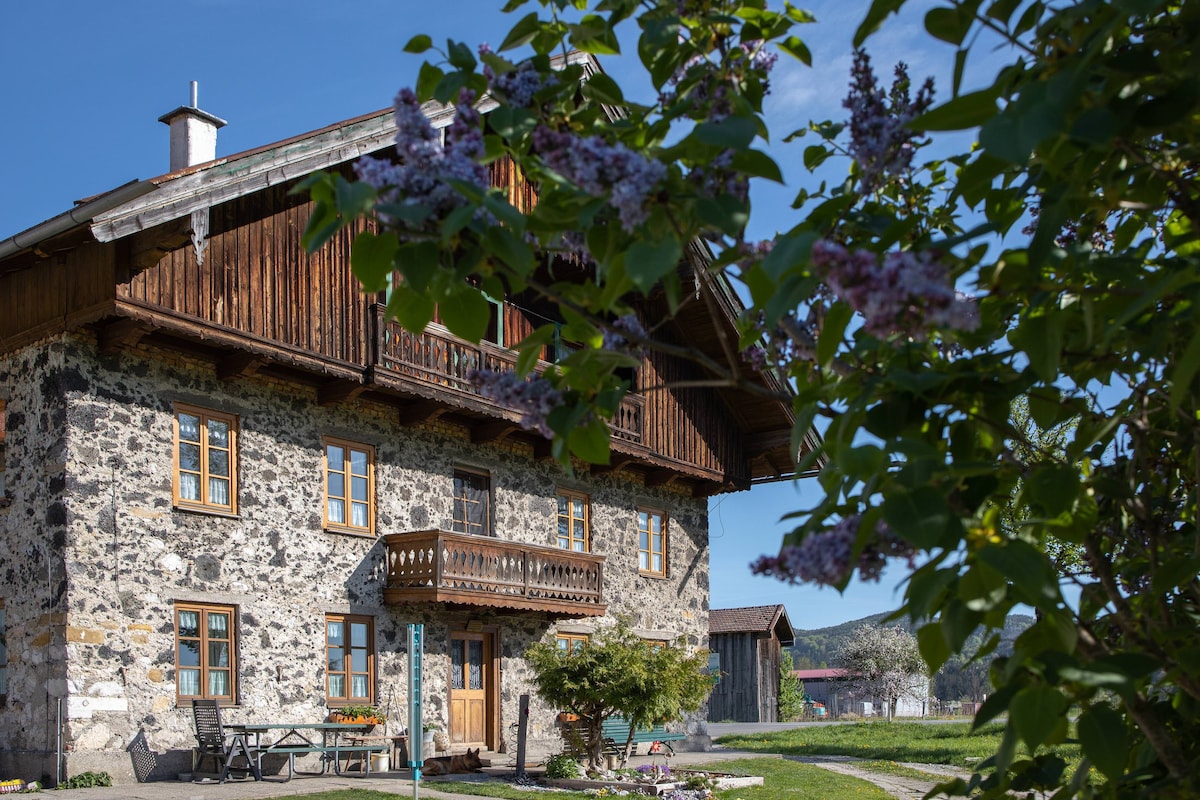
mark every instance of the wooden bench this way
{"type": "Point", "coordinates": [328, 752]}
{"type": "Point", "coordinates": [616, 731]}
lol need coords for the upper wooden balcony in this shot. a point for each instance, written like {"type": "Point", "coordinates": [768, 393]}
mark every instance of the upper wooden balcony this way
{"type": "Point", "coordinates": [439, 360]}
{"type": "Point", "coordinates": [441, 567]}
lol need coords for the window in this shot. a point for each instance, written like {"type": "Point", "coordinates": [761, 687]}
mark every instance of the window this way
{"type": "Point", "coordinates": [205, 459]}
{"type": "Point", "coordinates": [349, 486]}
{"type": "Point", "coordinates": [3, 656]}
{"type": "Point", "coordinates": [204, 653]}
{"type": "Point", "coordinates": [571, 642]}
{"type": "Point", "coordinates": [349, 660]}
{"type": "Point", "coordinates": [652, 542]}
{"type": "Point", "coordinates": [472, 496]}
{"type": "Point", "coordinates": [573, 521]}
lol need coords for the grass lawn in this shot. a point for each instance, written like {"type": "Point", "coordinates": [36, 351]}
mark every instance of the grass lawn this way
{"type": "Point", "coordinates": [784, 780]}
{"type": "Point", "coordinates": [952, 743]}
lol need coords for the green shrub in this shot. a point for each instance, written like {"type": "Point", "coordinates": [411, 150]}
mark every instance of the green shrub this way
{"type": "Point", "coordinates": [86, 780]}
{"type": "Point", "coordinates": [562, 765]}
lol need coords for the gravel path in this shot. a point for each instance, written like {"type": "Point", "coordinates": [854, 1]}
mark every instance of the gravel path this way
{"type": "Point", "coordinates": [901, 787]}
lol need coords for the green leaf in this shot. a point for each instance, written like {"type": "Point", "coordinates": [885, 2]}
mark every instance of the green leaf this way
{"type": "Point", "coordinates": [590, 441]}
{"type": "Point", "coordinates": [921, 516]}
{"type": "Point", "coordinates": [601, 88]}
{"type": "Point", "coordinates": [790, 251]}
{"type": "Point", "coordinates": [965, 111]}
{"type": "Point", "coordinates": [428, 78]}
{"type": "Point", "coordinates": [1040, 337]}
{"type": "Point", "coordinates": [647, 262]}
{"type": "Point", "coordinates": [509, 248]}
{"type": "Point", "coordinates": [833, 328]}
{"type": "Point", "coordinates": [795, 47]}
{"type": "Point", "coordinates": [876, 14]}
{"type": "Point", "coordinates": [460, 55]}
{"type": "Point", "coordinates": [532, 346]}
{"type": "Point", "coordinates": [418, 44]}
{"type": "Point", "coordinates": [417, 263]}
{"type": "Point", "coordinates": [756, 164]}
{"type": "Point", "coordinates": [1027, 567]}
{"type": "Point", "coordinates": [1184, 371]}
{"type": "Point", "coordinates": [933, 646]}
{"type": "Point", "coordinates": [1102, 734]}
{"type": "Point", "coordinates": [353, 198]}
{"type": "Point", "coordinates": [731, 132]}
{"type": "Point", "coordinates": [522, 33]}
{"type": "Point", "coordinates": [948, 24]}
{"type": "Point", "coordinates": [466, 313]}
{"type": "Point", "coordinates": [413, 310]}
{"type": "Point", "coordinates": [1035, 712]}
{"type": "Point", "coordinates": [814, 156]}
{"type": "Point", "coordinates": [372, 259]}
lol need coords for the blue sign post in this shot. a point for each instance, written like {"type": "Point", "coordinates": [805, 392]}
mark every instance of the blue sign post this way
{"type": "Point", "coordinates": [416, 646]}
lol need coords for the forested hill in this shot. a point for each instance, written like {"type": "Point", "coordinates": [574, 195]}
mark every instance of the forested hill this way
{"type": "Point", "coordinates": [957, 680]}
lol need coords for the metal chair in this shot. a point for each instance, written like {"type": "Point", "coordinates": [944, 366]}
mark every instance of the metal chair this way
{"type": "Point", "coordinates": [214, 743]}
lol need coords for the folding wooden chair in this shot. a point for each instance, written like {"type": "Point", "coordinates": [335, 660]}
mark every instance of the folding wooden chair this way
{"type": "Point", "coordinates": [214, 743]}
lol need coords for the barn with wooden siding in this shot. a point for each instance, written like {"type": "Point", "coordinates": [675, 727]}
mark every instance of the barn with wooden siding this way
{"type": "Point", "coordinates": [749, 642]}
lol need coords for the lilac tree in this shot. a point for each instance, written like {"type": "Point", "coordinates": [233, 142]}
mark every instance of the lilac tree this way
{"type": "Point", "coordinates": [908, 308]}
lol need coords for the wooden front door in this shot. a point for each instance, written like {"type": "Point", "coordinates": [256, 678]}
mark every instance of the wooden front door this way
{"type": "Point", "coordinates": [471, 691]}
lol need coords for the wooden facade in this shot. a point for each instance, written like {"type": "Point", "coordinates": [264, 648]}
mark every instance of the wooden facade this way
{"type": "Point", "coordinates": [749, 643]}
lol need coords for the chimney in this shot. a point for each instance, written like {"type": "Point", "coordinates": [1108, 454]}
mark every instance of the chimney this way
{"type": "Point", "coordinates": [193, 134]}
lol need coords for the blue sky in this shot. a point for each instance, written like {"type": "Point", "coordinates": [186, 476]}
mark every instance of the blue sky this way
{"type": "Point", "coordinates": [84, 84]}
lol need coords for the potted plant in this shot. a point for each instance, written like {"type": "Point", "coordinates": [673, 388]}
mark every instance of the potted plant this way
{"type": "Point", "coordinates": [428, 729]}
{"type": "Point", "coordinates": [361, 715]}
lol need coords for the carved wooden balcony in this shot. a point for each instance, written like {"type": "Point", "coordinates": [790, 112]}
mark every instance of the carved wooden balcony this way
{"type": "Point", "coordinates": [439, 359]}
{"type": "Point", "coordinates": [458, 568]}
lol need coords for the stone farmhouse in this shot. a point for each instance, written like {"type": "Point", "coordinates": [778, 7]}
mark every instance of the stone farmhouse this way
{"type": "Point", "coordinates": [226, 475]}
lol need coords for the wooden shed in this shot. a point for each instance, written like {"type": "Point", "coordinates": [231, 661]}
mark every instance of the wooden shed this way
{"type": "Point", "coordinates": [749, 642]}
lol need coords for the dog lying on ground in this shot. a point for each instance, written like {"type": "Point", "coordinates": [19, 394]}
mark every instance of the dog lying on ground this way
{"type": "Point", "coordinates": [445, 765]}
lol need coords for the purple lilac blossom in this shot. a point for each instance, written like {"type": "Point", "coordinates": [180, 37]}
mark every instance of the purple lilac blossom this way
{"type": "Point", "coordinates": [534, 398]}
{"type": "Point", "coordinates": [880, 140]}
{"type": "Point", "coordinates": [615, 337]}
{"type": "Point", "coordinates": [717, 178]}
{"type": "Point", "coordinates": [424, 169]}
{"type": "Point", "coordinates": [825, 557]}
{"type": "Point", "coordinates": [599, 169]}
{"type": "Point", "coordinates": [909, 293]}
{"type": "Point", "coordinates": [521, 84]}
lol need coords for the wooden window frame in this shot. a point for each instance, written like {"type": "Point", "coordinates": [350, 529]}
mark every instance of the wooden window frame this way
{"type": "Point", "coordinates": [206, 415]}
{"type": "Point", "coordinates": [575, 641]}
{"type": "Point", "coordinates": [347, 620]}
{"type": "Point", "coordinates": [650, 552]}
{"type": "Point", "coordinates": [586, 523]}
{"type": "Point", "coordinates": [204, 609]}
{"type": "Point", "coordinates": [347, 446]}
{"type": "Point", "coordinates": [487, 512]}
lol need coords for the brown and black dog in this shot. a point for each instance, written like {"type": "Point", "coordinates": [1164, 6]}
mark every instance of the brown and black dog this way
{"type": "Point", "coordinates": [445, 765]}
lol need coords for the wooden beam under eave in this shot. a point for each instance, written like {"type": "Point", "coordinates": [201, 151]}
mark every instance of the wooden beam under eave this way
{"type": "Point", "coordinates": [334, 392]}
{"type": "Point", "coordinates": [659, 477]}
{"type": "Point", "coordinates": [148, 247]}
{"type": "Point", "coordinates": [123, 332]}
{"type": "Point", "coordinates": [615, 464]}
{"type": "Point", "coordinates": [420, 411]}
{"type": "Point", "coordinates": [543, 449]}
{"type": "Point", "coordinates": [703, 489]}
{"type": "Point", "coordinates": [762, 443]}
{"type": "Point", "coordinates": [491, 431]}
{"type": "Point", "coordinates": [239, 365]}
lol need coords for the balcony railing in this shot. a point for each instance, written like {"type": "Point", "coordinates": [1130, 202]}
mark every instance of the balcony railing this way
{"type": "Point", "coordinates": [438, 358]}
{"type": "Point", "coordinates": [441, 567]}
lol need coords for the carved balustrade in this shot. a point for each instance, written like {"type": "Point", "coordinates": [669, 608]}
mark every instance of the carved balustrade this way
{"type": "Point", "coordinates": [442, 567]}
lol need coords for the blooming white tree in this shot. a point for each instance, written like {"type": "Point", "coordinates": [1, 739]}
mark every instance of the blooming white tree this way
{"type": "Point", "coordinates": [884, 662]}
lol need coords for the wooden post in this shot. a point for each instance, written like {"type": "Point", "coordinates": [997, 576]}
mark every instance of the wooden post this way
{"type": "Point", "coordinates": [522, 730]}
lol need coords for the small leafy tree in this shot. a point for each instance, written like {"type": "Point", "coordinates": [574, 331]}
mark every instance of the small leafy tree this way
{"type": "Point", "coordinates": [619, 674]}
{"type": "Point", "coordinates": [791, 690]}
{"type": "Point", "coordinates": [886, 662]}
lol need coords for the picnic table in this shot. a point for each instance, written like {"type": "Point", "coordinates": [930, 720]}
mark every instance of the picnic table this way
{"type": "Point", "coordinates": [303, 738]}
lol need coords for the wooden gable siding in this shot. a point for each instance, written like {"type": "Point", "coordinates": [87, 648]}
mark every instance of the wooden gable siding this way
{"type": "Point", "coordinates": [45, 294]}
{"type": "Point", "coordinates": [257, 279]}
{"type": "Point", "coordinates": [688, 425]}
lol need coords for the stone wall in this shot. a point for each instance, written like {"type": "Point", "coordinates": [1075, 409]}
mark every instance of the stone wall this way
{"type": "Point", "coordinates": [131, 556]}
{"type": "Point", "coordinates": [33, 583]}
